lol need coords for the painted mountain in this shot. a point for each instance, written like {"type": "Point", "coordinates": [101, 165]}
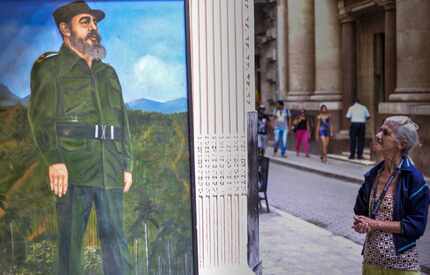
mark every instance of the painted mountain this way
{"type": "Point", "coordinates": [173, 106]}
{"type": "Point", "coordinates": [7, 98]}
{"type": "Point", "coordinates": [25, 100]}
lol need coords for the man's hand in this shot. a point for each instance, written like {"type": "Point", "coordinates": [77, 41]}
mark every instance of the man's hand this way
{"type": "Point", "coordinates": [128, 181]}
{"type": "Point", "coordinates": [58, 179]}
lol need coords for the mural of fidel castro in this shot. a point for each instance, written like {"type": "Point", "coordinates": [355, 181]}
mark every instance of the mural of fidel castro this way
{"type": "Point", "coordinates": [79, 123]}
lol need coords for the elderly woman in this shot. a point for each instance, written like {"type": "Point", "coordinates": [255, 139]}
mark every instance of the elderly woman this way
{"type": "Point", "coordinates": [392, 204]}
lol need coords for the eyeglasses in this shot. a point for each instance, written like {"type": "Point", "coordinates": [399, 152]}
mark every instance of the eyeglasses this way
{"type": "Point", "coordinates": [384, 131]}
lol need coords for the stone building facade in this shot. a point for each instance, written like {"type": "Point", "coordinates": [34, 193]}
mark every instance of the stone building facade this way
{"type": "Point", "coordinates": [331, 51]}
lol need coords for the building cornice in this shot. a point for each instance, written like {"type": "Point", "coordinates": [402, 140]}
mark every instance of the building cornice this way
{"type": "Point", "coordinates": [404, 108]}
{"type": "Point", "coordinates": [345, 15]}
{"type": "Point", "coordinates": [386, 4]}
{"type": "Point", "coordinates": [348, 11]}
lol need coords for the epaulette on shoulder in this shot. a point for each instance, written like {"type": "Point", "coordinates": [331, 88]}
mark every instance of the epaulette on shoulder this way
{"type": "Point", "coordinates": [45, 56]}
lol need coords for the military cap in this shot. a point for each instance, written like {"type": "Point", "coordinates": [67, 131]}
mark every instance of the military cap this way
{"type": "Point", "coordinates": [65, 13]}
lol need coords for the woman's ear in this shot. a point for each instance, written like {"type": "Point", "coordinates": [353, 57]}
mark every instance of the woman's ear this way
{"type": "Point", "coordinates": [402, 145]}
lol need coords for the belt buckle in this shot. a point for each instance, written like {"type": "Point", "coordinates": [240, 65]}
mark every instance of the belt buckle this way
{"type": "Point", "coordinates": [100, 132]}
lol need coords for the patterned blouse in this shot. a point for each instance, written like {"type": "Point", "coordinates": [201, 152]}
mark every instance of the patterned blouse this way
{"type": "Point", "coordinates": [379, 246]}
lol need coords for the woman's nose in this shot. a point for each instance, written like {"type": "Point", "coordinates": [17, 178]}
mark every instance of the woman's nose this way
{"type": "Point", "coordinates": [379, 135]}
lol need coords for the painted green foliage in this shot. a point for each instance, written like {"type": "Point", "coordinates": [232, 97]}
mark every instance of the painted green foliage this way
{"type": "Point", "coordinates": [157, 208]}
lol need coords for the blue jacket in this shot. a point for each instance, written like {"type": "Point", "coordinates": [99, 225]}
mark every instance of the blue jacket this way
{"type": "Point", "coordinates": [411, 203]}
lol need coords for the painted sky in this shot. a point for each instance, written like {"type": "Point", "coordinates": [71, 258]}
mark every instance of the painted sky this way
{"type": "Point", "coordinates": [145, 42]}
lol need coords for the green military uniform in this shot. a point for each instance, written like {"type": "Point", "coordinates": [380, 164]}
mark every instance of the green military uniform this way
{"type": "Point", "coordinates": [78, 117]}
{"type": "Point", "coordinates": [65, 92]}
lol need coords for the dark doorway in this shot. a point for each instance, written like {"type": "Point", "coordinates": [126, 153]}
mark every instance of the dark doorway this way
{"type": "Point", "coordinates": [378, 71]}
{"type": "Point", "coordinates": [258, 80]}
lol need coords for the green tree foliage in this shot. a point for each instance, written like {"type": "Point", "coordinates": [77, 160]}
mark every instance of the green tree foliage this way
{"type": "Point", "coordinates": [158, 201]}
{"type": "Point", "coordinates": [40, 259]}
{"type": "Point", "coordinates": [161, 195]}
{"type": "Point", "coordinates": [92, 261]}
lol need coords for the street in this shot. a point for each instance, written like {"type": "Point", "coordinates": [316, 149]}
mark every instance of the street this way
{"type": "Point", "coordinates": [321, 200]}
{"type": "Point", "coordinates": [324, 201]}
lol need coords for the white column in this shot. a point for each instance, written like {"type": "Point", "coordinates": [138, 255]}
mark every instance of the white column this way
{"type": "Point", "coordinates": [390, 61]}
{"type": "Point", "coordinates": [327, 51]}
{"type": "Point", "coordinates": [301, 46]}
{"type": "Point", "coordinates": [281, 47]}
{"type": "Point", "coordinates": [413, 55]}
{"type": "Point", "coordinates": [222, 73]}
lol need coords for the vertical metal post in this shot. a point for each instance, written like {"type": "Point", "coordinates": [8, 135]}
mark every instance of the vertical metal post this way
{"type": "Point", "coordinates": [12, 243]}
{"type": "Point", "coordinates": [136, 243]}
{"type": "Point", "coordinates": [169, 260]}
{"type": "Point", "coordinates": [185, 261]}
{"type": "Point", "coordinates": [146, 249]}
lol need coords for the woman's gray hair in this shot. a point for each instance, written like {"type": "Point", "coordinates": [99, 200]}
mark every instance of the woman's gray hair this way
{"type": "Point", "coordinates": [405, 130]}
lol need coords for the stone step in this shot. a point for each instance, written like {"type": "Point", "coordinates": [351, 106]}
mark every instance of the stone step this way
{"type": "Point", "coordinates": [365, 151]}
{"type": "Point", "coordinates": [344, 157]}
{"type": "Point", "coordinates": [366, 154]}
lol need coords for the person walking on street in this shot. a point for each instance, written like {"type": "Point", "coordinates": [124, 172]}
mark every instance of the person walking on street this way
{"type": "Point", "coordinates": [392, 204]}
{"type": "Point", "coordinates": [323, 131]}
{"type": "Point", "coordinates": [282, 123]}
{"type": "Point", "coordinates": [262, 129]}
{"type": "Point", "coordinates": [358, 116]}
{"type": "Point", "coordinates": [301, 128]}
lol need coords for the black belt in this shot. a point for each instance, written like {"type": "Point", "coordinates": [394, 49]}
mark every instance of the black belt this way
{"type": "Point", "coordinates": [98, 131]}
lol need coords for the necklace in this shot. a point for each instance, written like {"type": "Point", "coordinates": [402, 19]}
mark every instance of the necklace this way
{"type": "Point", "coordinates": [376, 204]}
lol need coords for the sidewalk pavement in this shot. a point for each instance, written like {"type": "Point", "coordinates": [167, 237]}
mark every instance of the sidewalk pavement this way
{"type": "Point", "coordinates": [350, 172]}
{"type": "Point", "coordinates": [290, 245]}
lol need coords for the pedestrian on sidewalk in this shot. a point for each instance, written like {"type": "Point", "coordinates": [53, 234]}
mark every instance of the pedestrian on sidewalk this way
{"type": "Point", "coordinates": [392, 204]}
{"type": "Point", "coordinates": [302, 128]}
{"type": "Point", "coordinates": [324, 131]}
{"type": "Point", "coordinates": [283, 121]}
{"type": "Point", "coordinates": [358, 116]}
{"type": "Point", "coordinates": [262, 129]}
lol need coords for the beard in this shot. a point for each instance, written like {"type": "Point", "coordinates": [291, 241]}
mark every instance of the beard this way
{"type": "Point", "coordinates": [96, 51]}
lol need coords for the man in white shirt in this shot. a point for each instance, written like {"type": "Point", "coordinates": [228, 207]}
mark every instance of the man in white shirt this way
{"type": "Point", "coordinates": [358, 116]}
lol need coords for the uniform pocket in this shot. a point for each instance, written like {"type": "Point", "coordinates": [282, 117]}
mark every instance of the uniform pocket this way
{"type": "Point", "coordinates": [115, 99]}
{"type": "Point", "coordinates": [81, 159]}
{"type": "Point", "coordinates": [115, 155]}
{"type": "Point", "coordinates": [77, 95]}
{"type": "Point", "coordinates": [73, 144]}
{"type": "Point", "coordinates": [118, 146]}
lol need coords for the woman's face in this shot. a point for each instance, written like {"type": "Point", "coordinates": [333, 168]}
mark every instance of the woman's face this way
{"type": "Point", "coordinates": [323, 109]}
{"type": "Point", "coordinates": [386, 140]}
